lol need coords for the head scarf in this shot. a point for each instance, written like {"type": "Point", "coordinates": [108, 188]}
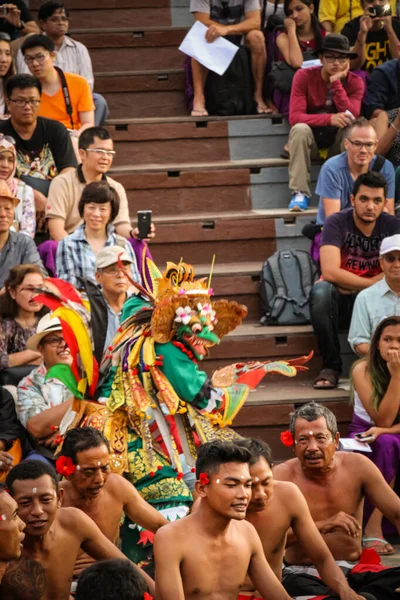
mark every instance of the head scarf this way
{"type": "Point", "coordinates": [12, 181]}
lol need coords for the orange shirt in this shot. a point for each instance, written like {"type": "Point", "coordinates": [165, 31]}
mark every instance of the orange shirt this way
{"type": "Point", "coordinates": [53, 107]}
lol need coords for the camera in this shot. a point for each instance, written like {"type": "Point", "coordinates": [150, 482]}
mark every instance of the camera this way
{"type": "Point", "coordinates": [3, 10]}
{"type": "Point", "coordinates": [380, 11]}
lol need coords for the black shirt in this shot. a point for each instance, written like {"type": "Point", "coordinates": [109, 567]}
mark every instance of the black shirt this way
{"type": "Point", "coordinates": [26, 16]}
{"type": "Point", "coordinates": [47, 153]}
{"type": "Point", "coordinates": [377, 46]}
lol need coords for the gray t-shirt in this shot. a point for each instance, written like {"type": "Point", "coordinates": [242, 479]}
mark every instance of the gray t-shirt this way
{"type": "Point", "coordinates": [226, 12]}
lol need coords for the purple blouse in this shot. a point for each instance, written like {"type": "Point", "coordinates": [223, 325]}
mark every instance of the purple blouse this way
{"type": "Point", "coordinates": [13, 338]}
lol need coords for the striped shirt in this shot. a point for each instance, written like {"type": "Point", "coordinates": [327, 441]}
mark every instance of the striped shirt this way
{"type": "Point", "coordinates": [71, 57]}
{"type": "Point", "coordinates": [76, 260]}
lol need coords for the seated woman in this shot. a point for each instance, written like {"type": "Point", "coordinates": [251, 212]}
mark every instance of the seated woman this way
{"type": "Point", "coordinates": [76, 253]}
{"type": "Point", "coordinates": [19, 316]}
{"type": "Point", "coordinates": [374, 39]}
{"type": "Point", "coordinates": [376, 389]}
{"type": "Point", "coordinates": [25, 217]}
{"type": "Point", "coordinates": [388, 133]}
{"type": "Point", "coordinates": [303, 37]}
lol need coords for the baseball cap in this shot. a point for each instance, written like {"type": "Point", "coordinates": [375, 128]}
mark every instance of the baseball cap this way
{"type": "Point", "coordinates": [46, 325]}
{"type": "Point", "coordinates": [110, 256]}
{"type": "Point", "coordinates": [390, 244]}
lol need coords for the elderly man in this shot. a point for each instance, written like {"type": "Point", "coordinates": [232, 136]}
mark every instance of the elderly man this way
{"type": "Point", "coordinates": [378, 301]}
{"type": "Point", "coordinates": [232, 19]}
{"type": "Point", "coordinates": [42, 403]}
{"type": "Point", "coordinates": [15, 248]}
{"type": "Point", "coordinates": [334, 485]}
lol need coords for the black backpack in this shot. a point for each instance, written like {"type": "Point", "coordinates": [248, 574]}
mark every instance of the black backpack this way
{"type": "Point", "coordinates": [231, 93]}
{"type": "Point", "coordinates": [286, 281]}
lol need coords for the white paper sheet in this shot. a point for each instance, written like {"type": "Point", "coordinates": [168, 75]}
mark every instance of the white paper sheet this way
{"type": "Point", "coordinates": [216, 56]}
{"type": "Point", "coordinates": [350, 444]}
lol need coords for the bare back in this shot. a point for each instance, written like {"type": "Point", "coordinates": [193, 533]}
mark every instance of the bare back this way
{"type": "Point", "coordinates": [341, 491]}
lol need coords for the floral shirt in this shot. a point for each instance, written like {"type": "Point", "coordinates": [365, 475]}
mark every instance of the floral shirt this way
{"type": "Point", "coordinates": [13, 338]}
{"type": "Point", "coordinates": [35, 394]}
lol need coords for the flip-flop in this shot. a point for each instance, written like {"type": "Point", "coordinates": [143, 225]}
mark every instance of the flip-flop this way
{"type": "Point", "coordinates": [328, 375]}
{"type": "Point", "coordinates": [201, 112]}
{"type": "Point", "coordinates": [378, 543]}
{"type": "Point", "coordinates": [264, 110]}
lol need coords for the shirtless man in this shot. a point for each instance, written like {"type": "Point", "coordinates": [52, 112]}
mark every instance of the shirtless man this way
{"type": "Point", "coordinates": [11, 530]}
{"type": "Point", "coordinates": [54, 536]}
{"type": "Point", "coordinates": [207, 554]}
{"type": "Point", "coordinates": [334, 484]}
{"type": "Point", "coordinates": [102, 495]}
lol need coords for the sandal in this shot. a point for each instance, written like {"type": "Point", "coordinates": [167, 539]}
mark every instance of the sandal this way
{"type": "Point", "coordinates": [329, 375]}
{"type": "Point", "coordinates": [379, 544]}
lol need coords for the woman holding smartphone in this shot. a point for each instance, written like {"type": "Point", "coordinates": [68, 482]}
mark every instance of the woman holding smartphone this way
{"type": "Point", "coordinates": [376, 417]}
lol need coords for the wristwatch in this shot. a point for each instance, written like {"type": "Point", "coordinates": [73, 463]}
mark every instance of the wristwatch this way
{"type": "Point", "coordinates": [22, 26]}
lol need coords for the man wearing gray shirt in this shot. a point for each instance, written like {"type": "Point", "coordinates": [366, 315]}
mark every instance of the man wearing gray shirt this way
{"type": "Point", "coordinates": [231, 19]}
{"type": "Point", "coordinates": [15, 248]}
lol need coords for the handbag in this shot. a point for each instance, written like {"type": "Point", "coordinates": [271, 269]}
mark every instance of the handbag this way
{"type": "Point", "coordinates": [282, 74]}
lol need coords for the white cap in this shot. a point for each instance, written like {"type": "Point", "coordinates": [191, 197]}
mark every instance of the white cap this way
{"type": "Point", "coordinates": [46, 325]}
{"type": "Point", "coordinates": [390, 244]}
{"type": "Point", "coordinates": [110, 256]}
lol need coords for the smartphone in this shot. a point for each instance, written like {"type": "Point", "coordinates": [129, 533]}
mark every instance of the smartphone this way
{"type": "Point", "coordinates": [380, 11]}
{"type": "Point", "coordinates": [361, 438]}
{"type": "Point", "coordinates": [144, 223]}
{"type": "Point", "coordinates": [3, 10]}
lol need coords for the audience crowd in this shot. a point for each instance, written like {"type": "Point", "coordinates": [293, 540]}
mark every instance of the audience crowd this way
{"type": "Point", "coordinates": [333, 69]}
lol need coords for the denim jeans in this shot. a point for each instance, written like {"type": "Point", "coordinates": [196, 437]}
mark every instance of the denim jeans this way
{"type": "Point", "coordinates": [330, 312]}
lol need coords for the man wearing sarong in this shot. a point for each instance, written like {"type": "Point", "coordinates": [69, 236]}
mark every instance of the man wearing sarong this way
{"type": "Point", "coordinates": [334, 485]}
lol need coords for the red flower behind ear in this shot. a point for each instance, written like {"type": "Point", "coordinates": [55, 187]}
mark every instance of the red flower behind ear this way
{"type": "Point", "coordinates": [204, 479]}
{"type": "Point", "coordinates": [65, 466]}
{"type": "Point", "coordinates": [287, 438]}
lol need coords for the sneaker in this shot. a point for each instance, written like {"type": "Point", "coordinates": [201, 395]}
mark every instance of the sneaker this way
{"type": "Point", "coordinates": [299, 202]}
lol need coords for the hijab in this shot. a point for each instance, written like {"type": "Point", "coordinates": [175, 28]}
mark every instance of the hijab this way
{"type": "Point", "coordinates": [12, 181]}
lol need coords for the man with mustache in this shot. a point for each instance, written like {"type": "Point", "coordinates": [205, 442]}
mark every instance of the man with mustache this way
{"type": "Point", "coordinates": [54, 536]}
{"type": "Point", "coordinates": [334, 485]}
{"type": "Point", "coordinates": [349, 258]}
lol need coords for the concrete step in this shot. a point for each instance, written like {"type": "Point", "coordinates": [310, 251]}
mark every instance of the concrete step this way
{"type": "Point", "coordinates": [183, 188]}
{"type": "Point", "coordinates": [120, 13]}
{"type": "Point", "coordinates": [133, 48]}
{"type": "Point", "coordinates": [189, 139]}
{"type": "Point", "coordinates": [267, 410]}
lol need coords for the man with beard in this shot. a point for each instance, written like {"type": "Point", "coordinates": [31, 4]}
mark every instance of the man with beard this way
{"type": "Point", "coordinates": [54, 536]}
{"type": "Point", "coordinates": [208, 553]}
{"type": "Point", "coordinates": [349, 263]}
{"type": "Point", "coordinates": [334, 485]}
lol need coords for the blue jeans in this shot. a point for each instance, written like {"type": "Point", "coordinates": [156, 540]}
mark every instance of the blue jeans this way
{"type": "Point", "coordinates": [101, 109]}
{"type": "Point", "coordinates": [330, 312]}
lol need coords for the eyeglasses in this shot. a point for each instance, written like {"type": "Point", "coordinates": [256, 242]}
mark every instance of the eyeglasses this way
{"type": "Point", "coordinates": [38, 57]}
{"type": "Point", "coordinates": [359, 145]}
{"type": "Point", "coordinates": [330, 58]}
{"type": "Point", "coordinates": [101, 152]}
{"type": "Point", "coordinates": [21, 103]}
{"type": "Point", "coordinates": [54, 341]}
{"type": "Point", "coordinates": [391, 258]}
{"type": "Point", "coordinates": [115, 270]}
{"type": "Point", "coordinates": [8, 139]}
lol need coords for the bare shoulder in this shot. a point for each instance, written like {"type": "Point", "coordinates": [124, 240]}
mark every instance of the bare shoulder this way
{"type": "Point", "coordinates": [118, 486]}
{"type": "Point", "coordinates": [353, 462]}
{"type": "Point", "coordinates": [73, 519]}
{"type": "Point", "coordinates": [286, 491]}
{"type": "Point", "coordinates": [286, 470]}
{"type": "Point", "coordinates": [360, 369]}
{"type": "Point", "coordinates": [174, 536]}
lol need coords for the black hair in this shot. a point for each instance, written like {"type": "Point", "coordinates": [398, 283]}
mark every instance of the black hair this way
{"type": "Point", "coordinates": [99, 192]}
{"type": "Point", "coordinates": [257, 449]}
{"type": "Point", "coordinates": [114, 579]}
{"type": "Point", "coordinates": [80, 439]}
{"type": "Point", "coordinates": [2, 488]}
{"type": "Point", "coordinates": [86, 138]}
{"type": "Point", "coordinates": [22, 82]}
{"type": "Point", "coordinates": [315, 24]}
{"type": "Point", "coordinates": [4, 37]}
{"type": "Point", "coordinates": [47, 9]}
{"type": "Point", "coordinates": [371, 179]}
{"type": "Point", "coordinates": [31, 469]}
{"type": "Point", "coordinates": [212, 455]}
{"type": "Point", "coordinates": [33, 41]}
{"type": "Point", "coordinates": [311, 412]}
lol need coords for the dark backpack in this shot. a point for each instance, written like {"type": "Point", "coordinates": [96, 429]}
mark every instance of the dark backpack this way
{"type": "Point", "coordinates": [286, 281]}
{"type": "Point", "coordinates": [231, 93]}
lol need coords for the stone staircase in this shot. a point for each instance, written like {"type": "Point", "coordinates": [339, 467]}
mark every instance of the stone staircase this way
{"type": "Point", "coordinates": [215, 185]}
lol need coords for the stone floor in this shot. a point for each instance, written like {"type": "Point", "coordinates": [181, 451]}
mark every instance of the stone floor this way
{"type": "Point", "coordinates": [394, 559]}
